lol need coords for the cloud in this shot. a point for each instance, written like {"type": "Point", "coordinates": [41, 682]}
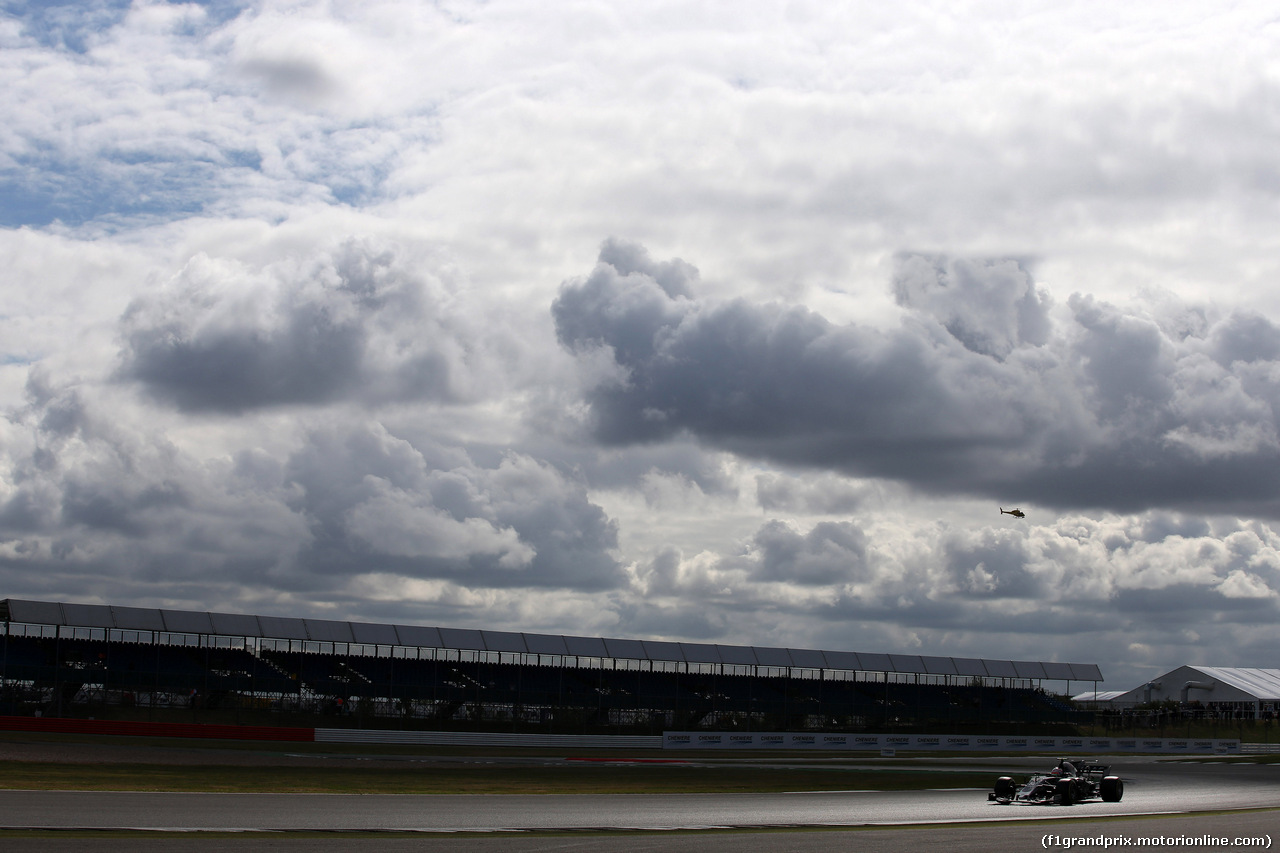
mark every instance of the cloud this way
{"type": "Point", "coordinates": [378, 503]}
{"type": "Point", "coordinates": [819, 493]}
{"type": "Point", "coordinates": [990, 307]}
{"type": "Point", "coordinates": [354, 324]}
{"type": "Point", "coordinates": [991, 565]}
{"type": "Point", "coordinates": [90, 498]}
{"type": "Point", "coordinates": [1076, 589]}
{"type": "Point", "coordinates": [829, 553]}
{"type": "Point", "coordinates": [94, 503]}
{"type": "Point", "coordinates": [979, 391]}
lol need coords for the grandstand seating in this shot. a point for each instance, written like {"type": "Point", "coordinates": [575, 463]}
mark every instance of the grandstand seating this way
{"type": "Point", "coordinates": [445, 692]}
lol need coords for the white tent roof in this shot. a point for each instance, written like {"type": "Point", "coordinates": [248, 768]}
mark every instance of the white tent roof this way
{"type": "Point", "coordinates": [1261, 684]}
{"type": "Point", "coordinates": [1099, 696]}
{"type": "Point", "coordinates": [1211, 684]}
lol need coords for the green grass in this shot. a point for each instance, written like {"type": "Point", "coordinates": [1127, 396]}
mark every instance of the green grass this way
{"type": "Point", "coordinates": [456, 769]}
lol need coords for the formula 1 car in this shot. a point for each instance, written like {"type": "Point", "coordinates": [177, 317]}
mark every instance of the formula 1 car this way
{"type": "Point", "coordinates": [1064, 785]}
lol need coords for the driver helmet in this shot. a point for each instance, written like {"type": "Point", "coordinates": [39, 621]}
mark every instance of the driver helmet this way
{"type": "Point", "coordinates": [1057, 771]}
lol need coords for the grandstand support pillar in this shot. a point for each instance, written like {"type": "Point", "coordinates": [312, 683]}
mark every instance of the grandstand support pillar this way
{"type": "Point", "coordinates": [516, 712]}
{"type": "Point", "coordinates": [57, 669]}
{"type": "Point", "coordinates": [786, 701]}
{"type": "Point", "coordinates": [919, 699]}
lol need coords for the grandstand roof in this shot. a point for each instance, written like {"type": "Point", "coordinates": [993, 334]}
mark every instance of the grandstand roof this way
{"type": "Point", "coordinates": [107, 616]}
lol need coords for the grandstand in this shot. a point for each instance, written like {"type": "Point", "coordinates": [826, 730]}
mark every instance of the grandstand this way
{"type": "Point", "coordinates": [63, 659]}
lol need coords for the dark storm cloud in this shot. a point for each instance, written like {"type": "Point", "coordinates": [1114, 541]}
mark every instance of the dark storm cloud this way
{"type": "Point", "coordinates": [976, 392]}
{"type": "Point", "coordinates": [354, 324]}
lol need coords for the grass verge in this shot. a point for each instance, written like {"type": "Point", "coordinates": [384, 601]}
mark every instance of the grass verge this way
{"type": "Point", "coordinates": [666, 779]}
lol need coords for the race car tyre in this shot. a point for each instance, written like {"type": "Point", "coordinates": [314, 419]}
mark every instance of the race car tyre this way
{"type": "Point", "coordinates": [1064, 792]}
{"type": "Point", "coordinates": [1005, 790]}
{"type": "Point", "coordinates": [1112, 789]}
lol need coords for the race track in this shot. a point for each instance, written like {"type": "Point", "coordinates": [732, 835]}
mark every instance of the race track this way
{"type": "Point", "coordinates": [1152, 788]}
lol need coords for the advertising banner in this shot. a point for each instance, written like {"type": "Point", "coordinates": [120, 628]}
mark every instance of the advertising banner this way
{"type": "Point", "coordinates": [935, 743]}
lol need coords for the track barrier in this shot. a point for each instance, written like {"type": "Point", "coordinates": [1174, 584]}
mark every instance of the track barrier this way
{"type": "Point", "coordinates": [932, 743]}
{"type": "Point", "coordinates": [886, 744]}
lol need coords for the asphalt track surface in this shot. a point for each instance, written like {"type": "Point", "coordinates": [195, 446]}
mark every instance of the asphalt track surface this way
{"type": "Point", "coordinates": [1161, 798]}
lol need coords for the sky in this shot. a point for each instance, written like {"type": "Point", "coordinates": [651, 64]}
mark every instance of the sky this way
{"type": "Point", "coordinates": [726, 323]}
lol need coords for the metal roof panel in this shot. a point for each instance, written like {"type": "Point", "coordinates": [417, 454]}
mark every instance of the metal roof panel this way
{"type": "Point", "coordinates": [628, 649]}
{"type": "Point", "coordinates": [374, 634]}
{"type": "Point", "coordinates": [586, 647]}
{"type": "Point", "coordinates": [235, 625]}
{"type": "Point", "coordinates": [1086, 672]}
{"type": "Point", "coordinates": [1058, 671]}
{"type": "Point", "coordinates": [1001, 668]}
{"type": "Point", "coordinates": [283, 627]}
{"type": "Point", "coordinates": [422, 636]}
{"type": "Point", "coordinates": [973, 667]}
{"type": "Point", "coordinates": [88, 615]}
{"type": "Point", "coordinates": [504, 641]}
{"type": "Point", "coordinates": [469, 639]}
{"type": "Point", "coordinates": [34, 612]}
{"type": "Point", "coordinates": [876, 662]}
{"type": "Point", "coordinates": [137, 618]}
{"type": "Point", "coordinates": [738, 655]}
{"type": "Point", "coordinates": [700, 653]}
{"type": "Point", "coordinates": [907, 663]}
{"type": "Point", "coordinates": [850, 661]}
{"type": "Point", "coordinates": [328, 631]}
{"type": "Point", "coordinates": [938, 666]}
{"type": "Point", "coordinates": [186, 622]}
{"type": "Point", "coordinates": [662, 650]}
{"type": "Point", "coordinates": [546, 644]}
{"type": "Point", "coordinates": [1028, 669]}
{"type": "Point", "coordinates": [770, 656]}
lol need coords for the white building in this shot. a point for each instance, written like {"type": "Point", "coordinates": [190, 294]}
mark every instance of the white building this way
{"type": "Point", "coordinates": [1219, 688]}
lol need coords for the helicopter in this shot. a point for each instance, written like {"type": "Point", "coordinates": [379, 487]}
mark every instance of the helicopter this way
{"type": "Point", "coordinates": [1016, 513]}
